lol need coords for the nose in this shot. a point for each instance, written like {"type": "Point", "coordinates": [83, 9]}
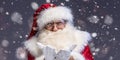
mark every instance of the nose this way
{"type": "Point", "coordinates": [54, 29]}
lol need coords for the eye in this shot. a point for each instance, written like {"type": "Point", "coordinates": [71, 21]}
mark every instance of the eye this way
{"type": "Point", "coordinates": [49, 24]}
{"type": "Point", "coordinates": [60, 23]}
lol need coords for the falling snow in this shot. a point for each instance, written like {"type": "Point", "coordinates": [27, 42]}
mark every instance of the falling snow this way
{"type": "Point", "coordinates": [94, 34]}
{"type": "Point", "coordinates": [34, 5]}
{"type": "Point", "coordinates": [20, 37]}
{"type": "Point", "coordinates": [5, 43]}
{"type": "Point", "coordinates": [93, 19]}
{"type": "Point", "coordinates": [26, 36]}
{"type": "Point", "coordinates": [111, 58]}
{"type": "Point", "coordinates": [62, 4]}
{"type": "Point", "coordinates": [67, 0]}
{"type": "Point", "coordinates": [3, 2]}
{"type": "Point", "coordinates": [116, 28]}
{"type": "Point", "coordinates": [7, 13]}
{"type": "Point", "coordinates": [108, 20]}
{"type": "Point", "coordinates": [48, 1]}
{"type": "Point", "coordinates": [1, 28]}
{"type": "Point", "coordinates": [12, 3]}
{"type": "Point", "coordinates": [17, 18]}
{"type": "Point", "coordinates": [101, 20]}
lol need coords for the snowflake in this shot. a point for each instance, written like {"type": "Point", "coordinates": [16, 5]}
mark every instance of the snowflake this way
{"type": "Point", "coordinates": [34, 5]}
{"type": "Point", "coordinates": [93, 19]}
{"type": "Point", "coordinates": [5, 43]}
{"type": "Point", "coordinates": [12, 3]}
{"type": "Point", "coordinates": [26, 35]}
{"type": "Point", "coordinates": [116, 28]}
{"type": "Point", "coordinates": [108, 20]}
{"type": "Point", "coordinates": [7, 13]}
{"type": "Point", "coordinates": [17, 18]}
{"type": "Point", "coordinates": [3, 2]}
{"type": "Point", "coordinates": [20, 36]}
{"type": "Point", "coordinates": [48, 1]}
{"type": "Point", "coordinates": [111, 58]}
{"type": "Point", "coordinates": [94, 34]}
{"type": "Point", "coordinates": [67, 0]}
{"type": "Point", "coordinates": [62, 4]}
{"type": "Point", "coordinates": [97, 49]}
{"type": "Point", "coordinates": [14, 42]}
{"type": "Point", "coordinates": [102, 17]}
{"type": "Point", "coordinates": [1, 28]}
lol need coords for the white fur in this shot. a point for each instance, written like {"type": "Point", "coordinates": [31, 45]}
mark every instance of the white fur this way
{"type": "Point", "coordinates": [65, 38]}
{"type": "Point", "coordinates": [54, 13]}
{"type": "Point", "coordinates": [40, 58]}
{"type": "Point", "coordinates": [77, 56]}
{"type": "Point", "coordinates": [32, 46]}
{"type": "Point", "coordinates": [60, 40]}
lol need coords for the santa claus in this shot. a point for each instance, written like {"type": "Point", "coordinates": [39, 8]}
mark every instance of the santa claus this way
{"type": "Point", "coordinates": [53, 26]}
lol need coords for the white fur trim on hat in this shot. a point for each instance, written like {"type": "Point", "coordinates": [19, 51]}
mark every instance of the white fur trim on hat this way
{"type": "Point", "coordinates": [31, 46]}
{"type": "Point", "coordinates": [54, 13]}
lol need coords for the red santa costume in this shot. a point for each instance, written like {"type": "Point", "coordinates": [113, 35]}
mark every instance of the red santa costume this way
{"type": "Point", "coordinates": [60, 39]}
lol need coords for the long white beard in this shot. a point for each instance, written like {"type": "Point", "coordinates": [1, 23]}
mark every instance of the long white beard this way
{"type": "Point", "coordinates": [61, 39]}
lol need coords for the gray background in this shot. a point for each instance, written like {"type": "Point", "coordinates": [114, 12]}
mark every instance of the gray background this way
{"type": "Point", "coordinates": [99, 17]}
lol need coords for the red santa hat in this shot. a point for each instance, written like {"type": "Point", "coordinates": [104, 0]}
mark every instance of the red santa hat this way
{"type": "Point", "coordinates": [47, 13]}
{"type": "Point", "coordinates": [50, 12]}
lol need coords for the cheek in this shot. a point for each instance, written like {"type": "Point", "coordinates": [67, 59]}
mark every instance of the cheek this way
{"type": "Point", "coordinates": [49, 29]}
{"type": "Point", "coordinates": [62, 27]}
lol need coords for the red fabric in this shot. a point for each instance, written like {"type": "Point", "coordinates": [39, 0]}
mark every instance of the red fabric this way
{"type": "Point", "coordinates": [30, 57]}
{"type": "Point", "coordinates": [34, 29]}
{"type": "Point", "coordinates": [37, 12]}
{"type": "Point", "coordinates": [87, 53]}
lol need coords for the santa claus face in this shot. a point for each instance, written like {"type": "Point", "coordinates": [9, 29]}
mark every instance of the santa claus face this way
{"type": "Point", "coordinates": [55, 25]}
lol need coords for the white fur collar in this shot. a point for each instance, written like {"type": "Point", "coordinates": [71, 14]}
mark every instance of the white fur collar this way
{"type": "Point", "coordinates": [65, 38]}
{"type": "Point", "coordinates": [60, 41]}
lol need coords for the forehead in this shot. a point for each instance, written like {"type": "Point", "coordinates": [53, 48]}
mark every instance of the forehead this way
{"type": "Point", "coordinates": [57, 21]}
